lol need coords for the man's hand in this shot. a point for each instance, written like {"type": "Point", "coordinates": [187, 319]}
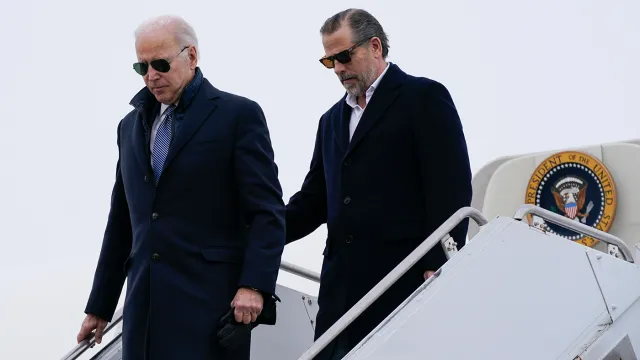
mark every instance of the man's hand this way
{"type": "Point", "coordinates": [428, 274]}
{"type": "Point", "coordinates": [248, 305]}
{"type": "Point", "coordinates": [90, 323]}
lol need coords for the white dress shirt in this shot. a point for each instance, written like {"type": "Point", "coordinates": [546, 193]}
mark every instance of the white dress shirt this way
{"type": "Point", "coordinates": [357, 111]}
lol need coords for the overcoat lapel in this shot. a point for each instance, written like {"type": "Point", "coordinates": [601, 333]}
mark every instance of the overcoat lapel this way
{"type": "Point", "coordinates": [141, 133]}
{"type": "Point", "coordinates": [341, 125]}
{"type": "Point", "coordinates": [382, 98]}
{"type": "Point", "coordinates": [204, 103]}
{"type": "Point", "coordinates": [198, 102]}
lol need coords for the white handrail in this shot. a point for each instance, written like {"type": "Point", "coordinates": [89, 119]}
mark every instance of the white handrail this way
{"type": "Point", "coordinates": [384, 284]}
{"type": "Point", "coordinates": [300, 271]}
{"type": "Point", "coordinates": [575, 226]}
{"type": "Point", "coordinates": [88, 343]}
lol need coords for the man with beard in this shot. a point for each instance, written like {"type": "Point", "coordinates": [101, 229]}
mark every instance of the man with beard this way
{"type": "Point", "coordinates": [390, 165]}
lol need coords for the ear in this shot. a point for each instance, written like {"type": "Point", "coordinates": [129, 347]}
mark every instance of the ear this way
{"type": "Point", "coordinates": [376, 46]}
{"type": "Point", "coordinates": [193, 57]}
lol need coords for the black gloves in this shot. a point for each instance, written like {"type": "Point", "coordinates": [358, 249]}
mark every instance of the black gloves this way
{"type": "Point", "coordinates": [232, 333]}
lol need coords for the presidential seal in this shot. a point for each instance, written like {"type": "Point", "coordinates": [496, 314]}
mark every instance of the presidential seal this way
{"type": "Point", "coordinates": [575, 185]}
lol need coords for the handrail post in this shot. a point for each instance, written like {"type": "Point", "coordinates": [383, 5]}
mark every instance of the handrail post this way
{"type": "Point", "coordinates": [391, 278]}
{"type": "Point", "coordinates": [560, 220]}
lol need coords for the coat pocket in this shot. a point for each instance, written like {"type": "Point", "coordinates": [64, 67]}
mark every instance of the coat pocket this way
{"type": "Point", "coordinates": [230, 255]}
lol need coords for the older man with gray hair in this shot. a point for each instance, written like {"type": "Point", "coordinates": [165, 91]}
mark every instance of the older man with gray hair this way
{"type": "Point", "coordinates": [196, 225]}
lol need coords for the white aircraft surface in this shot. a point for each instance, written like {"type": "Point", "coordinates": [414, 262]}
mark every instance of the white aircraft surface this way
{"type": "Point", "coordinates": [549, 273]}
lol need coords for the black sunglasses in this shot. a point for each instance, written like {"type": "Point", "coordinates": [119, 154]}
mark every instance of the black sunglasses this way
{"type": "Point", "coordinates": [343, 57]}
{"type": "Point", "coordinates": [161, 65]}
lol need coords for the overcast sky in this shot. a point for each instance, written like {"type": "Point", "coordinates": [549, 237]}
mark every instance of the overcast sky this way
{"type": "Point", "coordinates": [526, 77]}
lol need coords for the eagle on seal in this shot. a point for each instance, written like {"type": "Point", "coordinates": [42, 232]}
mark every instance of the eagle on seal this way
{"type": "Point", "coordinates": [570, 195]}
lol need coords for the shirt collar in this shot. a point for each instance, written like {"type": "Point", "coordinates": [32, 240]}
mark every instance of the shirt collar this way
{"type": "Point", "coordinates": [163, 108]}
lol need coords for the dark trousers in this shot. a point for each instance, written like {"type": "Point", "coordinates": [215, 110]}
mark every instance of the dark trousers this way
{"type": "Point", "coordinates": [341, 349]}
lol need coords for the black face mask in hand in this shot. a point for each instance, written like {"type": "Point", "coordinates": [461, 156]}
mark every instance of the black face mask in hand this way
{"type": "Point", "coordinates": [232, 333]}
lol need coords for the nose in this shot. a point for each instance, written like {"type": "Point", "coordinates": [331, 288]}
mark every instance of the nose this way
{"type": "Point", "coordinates": [152, 74]}
{"type": "Point", "coordinates": [338, 67]}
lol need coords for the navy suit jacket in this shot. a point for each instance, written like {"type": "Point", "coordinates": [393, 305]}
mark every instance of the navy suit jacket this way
{"type": "Point", "coordinates": [214, 222]}
{"type": "Point", "coordinates": [405, 171]}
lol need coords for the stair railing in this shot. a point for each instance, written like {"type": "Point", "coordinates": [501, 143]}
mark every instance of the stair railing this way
{"type": "Point", "coordinates": [90, 342]}
{"type": "Point", "coordinates": [580, 228]}
{"type": "Point", "coordinates": [438, 236]}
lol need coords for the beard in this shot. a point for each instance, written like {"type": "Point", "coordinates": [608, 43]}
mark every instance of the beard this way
{"type": "Point", "coordinates": [363, 81]}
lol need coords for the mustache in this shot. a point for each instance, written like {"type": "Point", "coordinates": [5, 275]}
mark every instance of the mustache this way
{"type": "Point", "coordinates": [345, 76]}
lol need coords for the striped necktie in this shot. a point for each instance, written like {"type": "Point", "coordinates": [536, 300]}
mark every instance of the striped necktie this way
{"type": "Point", "coordinates": [162, 141]}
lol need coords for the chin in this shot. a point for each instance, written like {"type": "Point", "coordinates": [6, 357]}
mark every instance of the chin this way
{"type": "Point", "coordinates": [352, 90]}
{"type": "Point", "coordinates": [164, 98]}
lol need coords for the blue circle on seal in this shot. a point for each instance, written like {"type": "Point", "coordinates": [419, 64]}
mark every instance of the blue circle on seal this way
{"type": "Point", "coordinates": [577, 186]}
{"type": "Point", "coordinates": [574, 191]}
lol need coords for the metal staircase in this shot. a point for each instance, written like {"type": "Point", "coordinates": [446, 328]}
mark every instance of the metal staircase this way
{"type": "Point", "coordinates": [512, 292]}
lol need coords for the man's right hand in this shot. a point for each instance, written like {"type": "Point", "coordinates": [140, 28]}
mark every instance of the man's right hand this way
{"type": "Point", "coordinates": [90, 323]}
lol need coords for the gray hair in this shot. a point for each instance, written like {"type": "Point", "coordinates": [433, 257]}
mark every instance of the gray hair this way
{"type": "Point", "coordinates": [185, 35]}
{"type": "Point", "coordinates": [363, 26]}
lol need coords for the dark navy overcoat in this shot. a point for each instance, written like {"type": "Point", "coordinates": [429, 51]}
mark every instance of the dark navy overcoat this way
{"type": "Point", "coordinates": [405, 171]}
{"type": "Point", "coordinates": [213, 223]}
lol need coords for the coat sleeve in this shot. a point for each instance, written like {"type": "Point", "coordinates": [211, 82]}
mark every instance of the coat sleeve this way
{"type": "Point", "coordinates": [260, 193]}
{"type": "Point", "coordinates": [444, 166]}
{"type": "Point", "coordinates": [116, 245]}
{"type": "Point", "coordinates": [307, 209]}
